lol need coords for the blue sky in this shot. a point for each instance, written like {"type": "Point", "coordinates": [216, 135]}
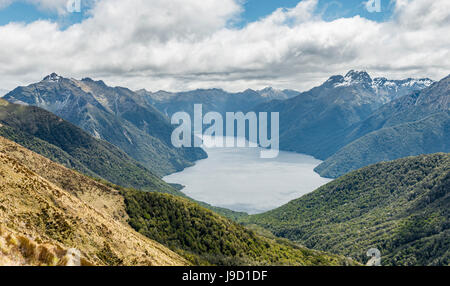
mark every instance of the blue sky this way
{"type": "Point", "coordinates": [26, 12]}
{"type": "Point", "coordinates": [331, 9]}
{"type": "Point", "coordinates": [253, 10]}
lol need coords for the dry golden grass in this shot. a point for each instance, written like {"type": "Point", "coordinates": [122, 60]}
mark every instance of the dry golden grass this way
{"type": "Point", "coordinates": [95, 194]}
{"type": "Point", "coordinates": [18, 250]}
{"type": "Point", "coordinates": [43, 204]}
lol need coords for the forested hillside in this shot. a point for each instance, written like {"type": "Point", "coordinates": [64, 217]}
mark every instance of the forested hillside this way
{"type": "Point", "coordinates": [207, 238]}
{"type": "Point", "coordinates": [400, 207]}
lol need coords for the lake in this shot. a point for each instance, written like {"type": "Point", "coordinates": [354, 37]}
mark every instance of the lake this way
{"type": "Point", "coordinates": [238, 179]}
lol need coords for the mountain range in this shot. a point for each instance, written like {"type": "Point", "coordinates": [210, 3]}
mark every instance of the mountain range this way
{"type": "Point", "coordinates": [215, 100]}
{"type": "Point", "coordinates": [414, 124]}
{"type": "Point", "coordinates": [65, 143]}
{"type": "Point", "coordinates": [114, 114]}
{"type": "Point", "coordinates": [321, 122]}
{"type": "Point", "coordinates": [309, 120]}
{"type": "Point", "coordinates": [328, 122]}
{"type": "Point", "coordinates": [82, 161]}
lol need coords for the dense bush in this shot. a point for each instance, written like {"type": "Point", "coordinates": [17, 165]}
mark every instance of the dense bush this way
{"type": "Point", "coordinates": [401, 207]}
{"type": "Point", "coordinates": [207, 238]}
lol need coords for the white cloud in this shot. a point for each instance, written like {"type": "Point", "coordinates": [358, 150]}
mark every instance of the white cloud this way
{"type": "Point", "coordinates": [184, 44]}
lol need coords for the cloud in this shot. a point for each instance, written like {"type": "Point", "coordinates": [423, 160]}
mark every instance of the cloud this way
{"type": "Point", "coordinates": [179, 44]}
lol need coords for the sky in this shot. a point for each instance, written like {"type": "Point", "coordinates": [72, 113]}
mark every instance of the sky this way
{"type": "Point", "coordinates": [231, 44]}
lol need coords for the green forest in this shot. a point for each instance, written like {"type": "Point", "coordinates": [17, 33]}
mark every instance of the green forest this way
{"type": "Point", "coordinates": [400, 207]}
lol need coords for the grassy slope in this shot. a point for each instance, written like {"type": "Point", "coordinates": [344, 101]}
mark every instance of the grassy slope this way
{"type": "Point", "coordinates": [401, 207]}
{"type": "Point", "coordinates": [67, 210]}
{"type": "Point", "coordinates": [20, 250]}
{"type": "Point", "coordinates": [44, 148]}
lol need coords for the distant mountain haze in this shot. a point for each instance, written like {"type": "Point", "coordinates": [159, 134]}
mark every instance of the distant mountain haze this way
{"type": "Point", "coordinates": [215, 100]}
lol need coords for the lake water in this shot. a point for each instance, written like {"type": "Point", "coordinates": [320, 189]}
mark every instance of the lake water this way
{"type": "Point", "coordinates": [238, 179]}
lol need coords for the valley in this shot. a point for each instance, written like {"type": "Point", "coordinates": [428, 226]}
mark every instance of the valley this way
{"type": "Point", "coordinates": [252, 134]}
{"type": "Point", "coordinates": [226, 206]}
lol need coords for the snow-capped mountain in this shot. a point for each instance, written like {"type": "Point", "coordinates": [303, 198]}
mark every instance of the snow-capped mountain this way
{"type": "Point", "coordinates": [397, 88]}
{"type": "Point", "coordinates": [53, 77]}
{"type": "Point", "coordinates": [385, 88]}
{"type": "Point", "coordinates": [353, 78]}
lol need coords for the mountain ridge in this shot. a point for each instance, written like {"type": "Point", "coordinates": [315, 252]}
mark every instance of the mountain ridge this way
{"type": "Point", "coordinates": [308, 120]}
{"type": "Point", "coordinates": [115, 114]}
{"type": "Point", "coordinates": [400, 115]}
{"type": "Point", "coordinates": [74, 147]}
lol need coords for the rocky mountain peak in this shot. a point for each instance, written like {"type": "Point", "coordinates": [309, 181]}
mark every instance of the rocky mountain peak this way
{"type": "Point", "coordinates": [351, 78]}
{"type": "Point", "coordinates": [358, 76]}
{"type": "Point", "coordinates": [53, 77]}
{"type": "Point", "coordinates": [268, 89]}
